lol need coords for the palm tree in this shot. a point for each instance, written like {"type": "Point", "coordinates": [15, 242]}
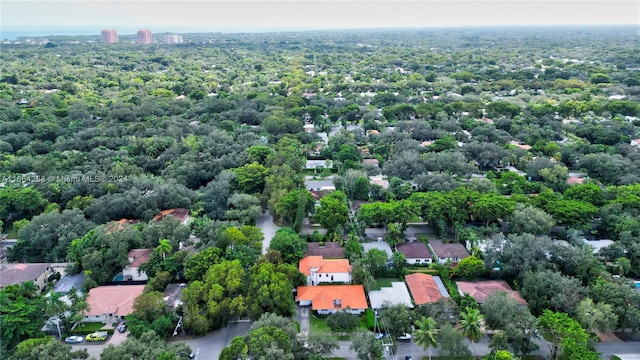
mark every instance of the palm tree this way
{"type": "Point", "coordinates": [425, 334]}
{"type": "Point", "coordinates": [55, 307]}
{"type": "Point", "coordinates": [28, 289]}
{"type": "Point", "coordinates": [164, 247]}
{"type": "Point", "coordinates": [470, 324]}
{"type": "Point", "coordinates": [623, 265]}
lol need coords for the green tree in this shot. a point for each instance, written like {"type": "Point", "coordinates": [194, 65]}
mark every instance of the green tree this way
{"type": "Point", "coordinates": [250, 178]}
{"type": "Point", "coordinates": [397, 320]}
{"type": "Point", "coordinates": [566, 336]}
{"type": "Point", "coordinates": [470, 324]}
{"type": "Point", "coordinates": [54, 350]}
{"type": "Point", "coordinates": [376, 259]}
{"type": "Point", "coordinates": [596, 316]}
{"type": "Point", "coordinates": [196, 265]}
{"type": "Point", "coordinates": [353, 249]}
{"type": "Point", "coordinates": [148, 347]}
{"type": "Point", "coordinates": [552, 290]}
{"type": "Point", "coordinates": [164, 247]}
{"type": "Point", "coordinates": [426, 333]}
{"type": "Point", "coordinates": [451, 343]}
{"type": "Point", "coordinates": [471, 268]}
{"type": "Point", "coordinates": [529, 219]}
{"type": "Point", "coordinates": [269, 290]}
{"type": "Point", "coordinates": [365, 345]}
{"type": "Point", "coordinates": [333, 211]}
{"type": "Point", "coordinates": [243, 208]}
{"type": "Point", "coordinates": [289, 244]}
{"type": "Point", "coordinates": [342, 321]}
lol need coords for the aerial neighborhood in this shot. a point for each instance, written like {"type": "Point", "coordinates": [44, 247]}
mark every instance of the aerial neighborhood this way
{"type": "Point", "coordinates": [408, 194]}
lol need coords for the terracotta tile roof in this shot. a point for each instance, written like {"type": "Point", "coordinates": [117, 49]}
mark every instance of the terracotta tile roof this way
{"type": "Point", "coordinates": [116, 300]}
{"type": "Point", "coordinates": [479, 290]}
{"type": "Point", "coordinates": [140, 256]}
{"type": "Point", "coordinates": [414, 250]}
{"type": "Point", "coordinates": [423, 288]}
{"type": "Point", "coordinates": [180, 214]}
{"type": "Point", "coordinates": [330, 250]}
{"type": "Point", "coordinates": [120, 224]}
{"type": "Point", "coordinates": [575, 180]}
{"type": "Point", "coordinates": [324, 265]}
{"type": "Point", "coordinates": [450, 250]}
{"type": "Point", "coordinates": [322, 297]}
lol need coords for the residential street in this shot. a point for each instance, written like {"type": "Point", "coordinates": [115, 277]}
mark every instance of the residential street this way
{"type": "Point", "coordinates": [265, 222]}
{"type": "Point", "coordinates": [210, 346]}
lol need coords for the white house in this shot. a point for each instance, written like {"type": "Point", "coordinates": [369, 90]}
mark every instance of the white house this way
{"type": "Point", "coordinates": [137, 257]}
{"type": "Point", "coordinates": [319, 270]}
{"type": "Point", "coordinates": [329, 299]}
{"type": "Point", "coordinates": [415, 252]}
{"type": "Point", "coordinates": [451, 252]}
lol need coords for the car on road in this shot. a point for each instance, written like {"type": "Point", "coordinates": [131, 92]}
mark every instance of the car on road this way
{"type": "Point", "coordinates": [97, 336]}
{"type": "Point", "coordinates": [122, 328]}
{"type": "Point", "coordinates": [404, 337]}
{"type": "Point", "coordinates": [408, 357]}
{"type": "Point", "coordinates": [74, 339]}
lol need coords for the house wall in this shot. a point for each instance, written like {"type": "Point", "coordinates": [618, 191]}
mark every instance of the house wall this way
{"type": "Point", "coordinates": [419, 261]}
{"type": "Point", "coordinates": [320, 278]}
{"type": "Point", "coordinates": [105, 318]}
{"type": "Point", "coordinates": [134, 273]}
{"type": "Point", "coordinates": [333, 311]}
{"type": "Point", "coordinates": [443, 261]}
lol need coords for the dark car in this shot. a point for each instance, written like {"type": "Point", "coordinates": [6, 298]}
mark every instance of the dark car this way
{"type": "Point", "coordinates": [408, 357]}
{"type": "Point", "coordinates": [122, 328]}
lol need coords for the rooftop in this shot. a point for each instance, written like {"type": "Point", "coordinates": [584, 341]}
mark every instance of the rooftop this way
{"type": "Point", "coordinates": [479, 290]}
{"type": "Point", "coordinates": [64, 285]}
{"type": "Point", "coordinates": [180, 214]}
{"type": "Point", "coordinates": [397, 294]}
{"type": "Point", "coordinates": [324, 265]}
{"type": "Point", "coordinates": [139, 256]}
{"type": "Point", "coordinates": [322, 297]}
{"type": "Point", "coordinates": [331, 250]}
{"type": "Point", "coordinates": [11, 274]}
{"type": "Point", "coordinates": [117, 300]}
{"type": "Point", "coordinates": [450, 250]}
{"type": "Point", "coordinates": [414, 250]}
{"type": "Point", "coordinates": [424, 288]}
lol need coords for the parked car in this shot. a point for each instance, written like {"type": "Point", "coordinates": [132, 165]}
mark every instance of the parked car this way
{"type": "Point", "coordinates": [404, 337]}
{"type": "Point", "coordinates": [122, 328]}
{"type": "Point", "coordinates": [408, 357]}
{"type": "Point", "coordinates": [74, 339]}
{"type": "Point", "coordinates": [380, 335]}
{"type": "Point", "coordinates": [98, 336]}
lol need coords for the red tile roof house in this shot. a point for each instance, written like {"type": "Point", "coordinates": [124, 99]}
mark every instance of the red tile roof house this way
{"type": "Point", "coordinates": [109, 304]}
{"type": "Point", "coordinates": [329, 299]}
{"type": "Point", "coordinates": [453, 252]}
{"type": "Point", "coordinates": [415, 252]}
{"type": "Point", "coordinates": [181, 214]}
{"type": "Point", "coordinates": [480, 290]}
{"type": "Point", "coordinates": [425, 289]}
{"type": "Point", "coordinates": [319, 270]}
{"type": "Point", "coordinates": [137, 257]}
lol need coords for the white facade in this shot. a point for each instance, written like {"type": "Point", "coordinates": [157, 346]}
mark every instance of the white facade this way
{"type": "Point", "coordinates": [134, 274]}
{"type": "Point", "coordinates": [419, 261]}
{"type": "Point", "coordinates": [315, 278]}
{"type": "Point", "coordinates": [333, 311]}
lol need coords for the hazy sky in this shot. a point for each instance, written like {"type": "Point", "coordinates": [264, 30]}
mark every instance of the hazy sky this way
{"type": "Point", "coordinates": [162, 15]}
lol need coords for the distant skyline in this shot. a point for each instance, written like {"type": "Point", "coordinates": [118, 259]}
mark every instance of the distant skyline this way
{"type": "Point", "coordinates": [49, 17]}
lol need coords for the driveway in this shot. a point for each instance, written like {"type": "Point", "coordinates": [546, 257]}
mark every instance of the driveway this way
{"type": "Point", "coordinates": [210, 346]}
{"type": "Point", "coordinates": [95, 348]}
{"type": "Point", "coordinates": [268, 227]}
{"type": "Point", "coordinates": [302, 317]}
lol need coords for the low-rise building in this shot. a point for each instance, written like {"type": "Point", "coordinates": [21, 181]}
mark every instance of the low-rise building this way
{"type": "Point", "coordinates": [329, 299]}
{"type": "Point", "coordinates": [319, 270]}
{"type": "Point", "coordinates": [111, 304]}
{"type": "Point", "coordinates": [415, 252]}
{"type": "Point", "coordinates": [425, 288]}
{"type": "Point", "coordinates": [480, 290]}
{"type": "Point", "coordinates": [137, 258]}
{"type": "Point", "coordinates": [450, 252]}
{"type": "Point", "coordinates": [16, 274]}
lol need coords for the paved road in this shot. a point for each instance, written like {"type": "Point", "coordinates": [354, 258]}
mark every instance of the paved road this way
{"type": "Point", "coordinates": [210, 346]}
{"type": "Point", "coordinates": [95, 348]}
{"type": "Point", "coordinates": [265, 222]}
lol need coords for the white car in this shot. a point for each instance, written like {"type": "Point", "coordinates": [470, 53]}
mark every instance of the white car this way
{"type": "Point", "coordinates": [404, 337]}
{"type": "Point", "coordinates": [74, 339]}
{"type": "Point", "coordinates": [380, 335]}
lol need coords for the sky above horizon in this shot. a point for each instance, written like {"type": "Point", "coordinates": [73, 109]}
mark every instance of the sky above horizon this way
{"type": "Point", "coordinates": [163, 15]}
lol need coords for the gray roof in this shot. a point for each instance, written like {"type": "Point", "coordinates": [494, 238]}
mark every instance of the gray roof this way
{"type": "Point", "coordinates": [414, 250]}
{"type": "Point", "coordinates": [441, 287]}
{"type": "Point", "coordinates": [380, 245]}
{"type": "Point", "coordinates": [64, 285]}
{"type": "Point", "coordinates": [450, 250]}
{"type": "Point", "coordinates": [318, 184]}
{"type": "Point", "coordinates": [11, 274]}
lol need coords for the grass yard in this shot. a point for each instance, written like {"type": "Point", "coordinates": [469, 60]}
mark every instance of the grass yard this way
{"type": "Point", "coordinates": [384, 282]}
{"type": "Point", "coordinates": [90, 326]}
{"type": "Point", "coordinates": [318, 325]}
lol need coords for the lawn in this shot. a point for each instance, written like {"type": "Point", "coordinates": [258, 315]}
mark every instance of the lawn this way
{"type": "Point", "coordinates": [12, 232]}
{"type": "Point", "coordinates": [90, 326]}
{"type": "Point", "coordinates": [318, 324]}
{"type": "Point", "coordinates": [384, 282]}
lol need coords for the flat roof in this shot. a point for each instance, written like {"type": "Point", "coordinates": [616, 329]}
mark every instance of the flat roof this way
{"type": "Point", "coordinates": [397, 294]}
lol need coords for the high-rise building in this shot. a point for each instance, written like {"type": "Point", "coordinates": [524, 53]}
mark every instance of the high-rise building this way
{"type": "Point", "coordinates": [173, 39]}
{"type": "Point", "coordinates": [109, 36]}
{"type": "Point", "coordinates": [144, 36]}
